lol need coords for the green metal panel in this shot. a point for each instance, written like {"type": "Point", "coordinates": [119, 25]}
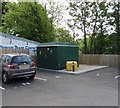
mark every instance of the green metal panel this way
{"type": "Point", "coordinates": [51, 58]}
{"type": "Point", "coordinates": [40, 56]}
{"type": "Point", "coordinates": [55, 56]}
{"type": "Point", "coordinates": [47, 57]}
{"type": "Point", "coordinates": [67, 54]}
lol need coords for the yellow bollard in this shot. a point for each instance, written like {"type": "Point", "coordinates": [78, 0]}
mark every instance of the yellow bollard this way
{"type": "Point", "coordinates": [71, 66]}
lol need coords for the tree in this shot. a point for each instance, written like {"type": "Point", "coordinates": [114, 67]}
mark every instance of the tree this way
{"type": "Point", "coordinates": [63, 35]}
{"type": "Point", "coordinates": [100, 40]}
{"type": "Point", "coordinates": [80, 13]}
{"type": "Point", "coordinates": [55, 11]}
{"type": "Point", "coordinates": [116, 23]}
{"type": "Point", "coordinates": [98, 24]}
{"type": "Point", "coordinates": [110, 44]}
{"type": "Point", "coordinates": [3, 10]}
{"type": "Point", "coordinates": [28, 20]}
{"type": "Point", "coordinates": [109, 32]}
{"type": "Point", "coordinates": [0, 14]}
{"type": "Point", "coordinates": [93, 26]}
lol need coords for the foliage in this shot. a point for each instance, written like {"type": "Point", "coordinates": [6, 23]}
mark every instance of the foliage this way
{"type": "Point", "coordinates": [79, 12]}
{"type": "Point", "coordinates": [28, 20]}
{"type": "Point", "coordinates": [4, 8]}
{"type": "Point", "coordinates": [99, 25]}
{"type": "Point", "coordinates": [63, 35]}
{"type": "Point", "coordinates": [55, 12]}
{"type": "Point", "coordinates": [0, 29]}
{"type": "Point", "coordinates": [111, 44]}
{"type": "Point", "coordinates": [98, 21]}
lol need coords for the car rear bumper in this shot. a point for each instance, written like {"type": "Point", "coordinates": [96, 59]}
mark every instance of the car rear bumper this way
{"type": "Point", "coordinates": [23, 74]}
{"type": "Point", "coordinates": [14, 73]}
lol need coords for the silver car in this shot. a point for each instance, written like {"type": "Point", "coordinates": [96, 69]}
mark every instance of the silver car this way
{"type": "Point", "coordinates": [17, 65]}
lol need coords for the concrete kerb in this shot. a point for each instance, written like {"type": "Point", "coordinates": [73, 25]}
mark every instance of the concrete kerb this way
{"type": "Point", "coordinates": [83, 71]}
{"type": "Point", "coordinates": [79, 71]}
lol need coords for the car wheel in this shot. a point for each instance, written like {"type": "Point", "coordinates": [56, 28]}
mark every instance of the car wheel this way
{"type": "Point", "coordinates": [31, 77]}
{"type": "Point", "coordinates": [5, 78]}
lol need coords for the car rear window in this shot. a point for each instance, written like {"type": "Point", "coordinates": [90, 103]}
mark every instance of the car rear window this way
{"type": "Point", "coordinates": [21, 59]}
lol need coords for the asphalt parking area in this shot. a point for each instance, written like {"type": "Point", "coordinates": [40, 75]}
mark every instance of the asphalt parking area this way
{"type": "Point", "coordinates": [96, 88]}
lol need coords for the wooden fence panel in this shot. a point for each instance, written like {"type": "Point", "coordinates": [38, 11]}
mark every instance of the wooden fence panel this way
{"type": "Point", "coordinates": [95, 59]}
{"type": "Point", "coordinates": [104, 59]}
{"type": "Point", "coordinates": [114, 60]}
{"type": "Point", "coordinates": [8, 50]}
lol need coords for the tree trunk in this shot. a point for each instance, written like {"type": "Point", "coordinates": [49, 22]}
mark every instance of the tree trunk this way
{"type": "Point", "coordinates": [92, 44]}
{"type": "Point", "coordinates": [84, 30]}
{"type": "Point", "coordinates": [117, 21]}
{"type": "Point", "coordinates": [85, 39]}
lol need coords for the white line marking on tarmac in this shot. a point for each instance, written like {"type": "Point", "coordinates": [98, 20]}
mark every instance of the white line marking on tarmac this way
{"type": "Point", "coordinates": [27, 83]}
{"type": "Point", "coordinates": [58, 77]}
{"type": "Point", "coordinates": [24, 84]}
{"type": "Point", "coordinates": [41, 79]}
{"type": "Point", "coordinates": [2, 88]}
{"type": "Point", "coordinates": [97, 74]}
{"type": "Point", "coordinates": [117, 76]}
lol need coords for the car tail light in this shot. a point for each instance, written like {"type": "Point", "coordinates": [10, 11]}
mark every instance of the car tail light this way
{"type": "Point", "coordinates": [10, 66]}
{"type": "Point", "coordinates": [33, 65]}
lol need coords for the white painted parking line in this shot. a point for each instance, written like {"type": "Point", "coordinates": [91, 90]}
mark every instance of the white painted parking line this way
{"type": "Point", "coordinates": [40, 79]}
{"type": "Point", "coordinates": [24, 84]}
{"type": "Point", "coordinates": [117, 76]}
{"type": "Point", "coordinates": [97, 74]}
{"type": "Point", "coordinates": [27, 83]}
{"type": "Point", "coordinates": [58, 77]}
{"type": "Point", "coordinates": [2, 88]}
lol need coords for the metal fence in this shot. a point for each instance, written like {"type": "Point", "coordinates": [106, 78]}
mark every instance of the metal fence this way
{"type": "Point", "coordinates": [96, 59]}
